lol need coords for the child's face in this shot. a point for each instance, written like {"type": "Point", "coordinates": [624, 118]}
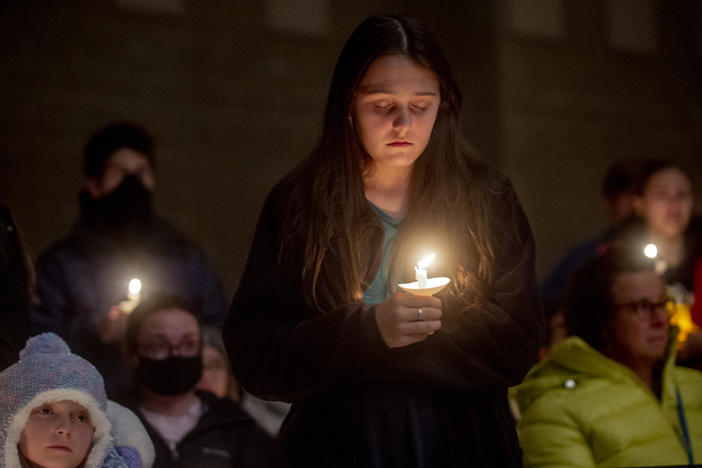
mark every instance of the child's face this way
{"type": "Point", "coordinates": [395, 109]}
{"type": "Point", "coordinates": [57, 435]}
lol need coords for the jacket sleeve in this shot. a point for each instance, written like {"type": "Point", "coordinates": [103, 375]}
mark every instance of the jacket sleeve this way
{"type": "Point", "coordinates": [281, 348]}
{"type": "Point", "coordinates": [551, 438]}
{"type": "Point", "coordinates": [131, 441]}
{"type": "Point", "coordinates": [490, 345]}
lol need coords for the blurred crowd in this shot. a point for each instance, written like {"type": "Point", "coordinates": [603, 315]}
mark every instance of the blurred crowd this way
{"type": "Point", "coordinates": [618, 382]}
{"type": "Point", "coordinates": [139, 300]}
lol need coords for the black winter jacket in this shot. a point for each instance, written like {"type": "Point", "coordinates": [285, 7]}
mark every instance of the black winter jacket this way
{"type": "Point", "coordinates": [437, 403]}
{"type": "Point", "coordinates": [225, 437]}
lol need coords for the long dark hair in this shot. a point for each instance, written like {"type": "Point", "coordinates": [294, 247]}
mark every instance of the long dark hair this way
{"type": "Point", "coordinates": [450, 191]}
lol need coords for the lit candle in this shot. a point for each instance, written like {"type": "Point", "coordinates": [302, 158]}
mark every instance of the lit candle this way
{"type": "Point", "coordinates": [651, 251]}
{"type": "Point", "coordinates": [133, 295]}
{"type": "Point", "coordinates": [134, 289]}
{"type": "Point", "coordinates": [421, 270]}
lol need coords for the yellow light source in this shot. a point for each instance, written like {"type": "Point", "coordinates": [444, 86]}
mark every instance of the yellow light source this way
{"type": "Point", "coordinates": [651, 251]}
{"type": "Point", "coordinates": [425, 286]}
{"type": "Point", "coordinates": [133, 296]}
{"type": "Point", "coordinates": [134, 288]}
{"type": "Point", "coordinates": [421, 270]}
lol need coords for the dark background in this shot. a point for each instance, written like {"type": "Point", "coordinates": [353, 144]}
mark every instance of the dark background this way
{"type": "Point", "coordinates": [233, 93]}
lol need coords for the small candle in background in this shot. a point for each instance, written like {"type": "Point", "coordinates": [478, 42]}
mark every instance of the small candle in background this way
{"type": "Point", "coordinates": [134, 288]}
{"type": "Point", "coordinates": [421, 270]}
{"type": "Point", "coordinates": [133, 295]}
{"type": "Point", "coordinates": [651, 251]}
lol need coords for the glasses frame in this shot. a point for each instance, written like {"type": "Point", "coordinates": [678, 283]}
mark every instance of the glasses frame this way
{"type": "Point", "coordinates": [169, 349]}
{"type": "Point", "coordinates": [644, 309]}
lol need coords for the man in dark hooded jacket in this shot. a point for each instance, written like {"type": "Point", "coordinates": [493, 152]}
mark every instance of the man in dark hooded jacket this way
{"type": "Point", "coordinates": [82, 281]}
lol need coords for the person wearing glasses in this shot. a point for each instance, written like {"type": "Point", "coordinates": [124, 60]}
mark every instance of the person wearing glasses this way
{"type": "Point", "coordinates": [610, 394]}
{"type": "Point", "coordinates": [189, 428]}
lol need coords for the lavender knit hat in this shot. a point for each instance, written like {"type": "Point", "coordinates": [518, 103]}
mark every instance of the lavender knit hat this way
{"type": "Point", "coordinates": [47, 372]}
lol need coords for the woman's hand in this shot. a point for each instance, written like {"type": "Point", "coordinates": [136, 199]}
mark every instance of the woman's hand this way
{"type": "Point", "coordinates": [404, 319]}
{"type": "Point", "coordinates": [113, 326]}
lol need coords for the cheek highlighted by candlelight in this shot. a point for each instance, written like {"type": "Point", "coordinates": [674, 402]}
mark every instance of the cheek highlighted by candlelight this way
{"type": "Point", "coordinates": [425, 286]}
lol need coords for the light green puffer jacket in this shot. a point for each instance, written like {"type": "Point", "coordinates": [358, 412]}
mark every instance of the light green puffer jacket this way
{"type": "Point", "coordinates": [581, 409]}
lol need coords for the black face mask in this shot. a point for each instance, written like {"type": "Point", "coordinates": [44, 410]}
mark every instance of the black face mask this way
{"type": "Point", "coordinates": [126, 205]}
{"type": "Point", "coordinates": [174, 375]}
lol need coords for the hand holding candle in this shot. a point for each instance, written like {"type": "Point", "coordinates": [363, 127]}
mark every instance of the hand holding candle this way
{"type": "Point", "coordinates": [113, 325]}
{"type": "Point", "coordinates": [400, 321]}
{"type": "Point", "coordinates": [404, 319]}
{"type": "Point", "coordinates": [133, 295]}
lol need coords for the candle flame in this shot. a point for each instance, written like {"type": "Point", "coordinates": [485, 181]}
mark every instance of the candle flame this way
{"type": "Point", "coordinates": [651, 251]}
{"type": "Point", "coordinates": [134, 286]}
{"type": "Point", "coordinates": [423, 263]}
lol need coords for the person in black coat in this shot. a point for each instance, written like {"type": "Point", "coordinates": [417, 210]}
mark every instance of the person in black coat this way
{"type": "Point", "coordinates": [378, 377]}
{"type": "Point", "coordinates": [82, 280]}
{"type": "Point", "coordinates": [15, 290]}
{"type": "Point", "coordinates": [189, 428]}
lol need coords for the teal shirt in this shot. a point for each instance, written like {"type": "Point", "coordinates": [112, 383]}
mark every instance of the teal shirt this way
{"type": "Point", "coordinates": [379, 290]}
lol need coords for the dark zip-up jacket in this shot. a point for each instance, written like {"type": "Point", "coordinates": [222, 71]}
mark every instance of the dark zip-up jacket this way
{"type": "Point", "coordinates": [437, 403]}
{"type": "Point", "coordinates": [225, 437]}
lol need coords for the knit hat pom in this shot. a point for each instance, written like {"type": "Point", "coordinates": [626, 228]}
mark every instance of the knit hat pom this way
{"type": "Point", "coordinates": [46, 343]}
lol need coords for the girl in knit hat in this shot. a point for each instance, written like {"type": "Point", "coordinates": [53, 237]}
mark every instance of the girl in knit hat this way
{"type": "Point", "coordinates": [54, 413]}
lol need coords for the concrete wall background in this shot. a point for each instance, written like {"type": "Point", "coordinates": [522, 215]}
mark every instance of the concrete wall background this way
{"type": "Point", "coordinates": [234, 99]}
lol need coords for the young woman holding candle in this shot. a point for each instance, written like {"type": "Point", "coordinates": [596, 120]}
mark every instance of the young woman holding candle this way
{"type": "Point", "coordinates": [317, 320]}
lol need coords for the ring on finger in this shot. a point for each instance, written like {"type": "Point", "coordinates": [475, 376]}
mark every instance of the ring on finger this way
{"type": "Point", "coordinates": [419, 314]}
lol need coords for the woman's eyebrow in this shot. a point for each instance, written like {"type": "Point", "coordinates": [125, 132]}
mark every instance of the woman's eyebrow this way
{"type": "Point", "coordinates": [381, 90]}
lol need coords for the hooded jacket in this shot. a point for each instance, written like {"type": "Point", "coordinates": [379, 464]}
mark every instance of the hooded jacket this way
{"type": "Point", "coordinates": [225, 436]}
{"type": "Point", "coordinates": [582, 409]}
